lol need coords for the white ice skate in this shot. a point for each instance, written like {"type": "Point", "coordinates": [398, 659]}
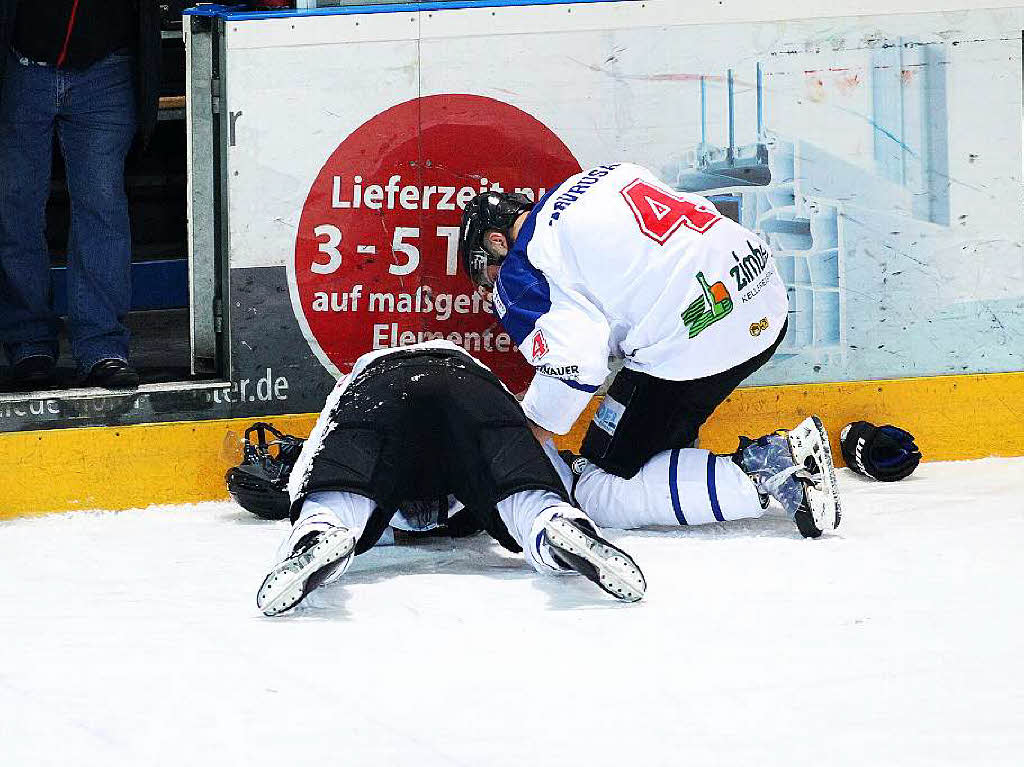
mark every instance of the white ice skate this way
{"type": "Point", "coordinates": [317, 557]}
{"type": "Point", "coordinates": [809, 443]}
{"type": "Point", "coordinates": [576, 544]}
{"type": "Point", "coordinates": [795, 467]}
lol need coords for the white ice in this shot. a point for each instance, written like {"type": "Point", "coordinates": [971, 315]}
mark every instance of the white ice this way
{"type": "Point", "coordinates": [133, 639]}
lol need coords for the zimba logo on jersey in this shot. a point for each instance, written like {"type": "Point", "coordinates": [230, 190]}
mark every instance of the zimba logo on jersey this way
{"type": "Point", "coordinates": [712, 305]}
{"type": "Point", "coordinates": [750, 267]}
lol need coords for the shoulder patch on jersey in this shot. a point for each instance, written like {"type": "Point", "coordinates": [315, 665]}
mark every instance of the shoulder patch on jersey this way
{"type": "Point", "coordinates": [713, 304]}
{"type": "Point", "coordinates": [540, 348]}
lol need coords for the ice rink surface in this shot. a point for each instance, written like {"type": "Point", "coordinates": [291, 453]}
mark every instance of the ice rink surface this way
{"type": "Point", "coordinates": [134, 639]}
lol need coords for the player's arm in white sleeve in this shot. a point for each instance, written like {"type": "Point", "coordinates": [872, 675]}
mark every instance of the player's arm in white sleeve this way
{"type": "Point", "coordinates": [568, 347]}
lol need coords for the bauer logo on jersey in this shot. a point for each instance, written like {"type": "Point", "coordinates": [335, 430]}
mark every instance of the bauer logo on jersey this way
{"type": "Point", "coordinates": [563, 372]}
{"type": "Point", "coordinates": [713, 304]}
{"type": "Point", "coordinates": [540, 346]}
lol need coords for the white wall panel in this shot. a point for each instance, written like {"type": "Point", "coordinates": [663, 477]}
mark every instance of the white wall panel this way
{"type": "Point", "coordinates": [889, 152]}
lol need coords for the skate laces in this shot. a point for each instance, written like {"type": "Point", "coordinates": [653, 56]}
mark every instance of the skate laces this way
{"type": "Point", "coordinates": [300, 550]}
{"type": "Point", "coordinates": [773, 484]}
{"type": "Point", "coordinates": [306, 542]}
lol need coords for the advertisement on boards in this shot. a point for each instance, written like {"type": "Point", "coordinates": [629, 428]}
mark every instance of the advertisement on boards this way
{"type": "Point", "coordinates": [879, 157]}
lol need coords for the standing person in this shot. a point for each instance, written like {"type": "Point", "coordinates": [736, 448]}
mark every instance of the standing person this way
{"type": "Point", "coordinates": [614, 263]}
{"type": "Point", "coordinates": [85, 71]}
{"type": "Point", "coordinates": [408, 429]}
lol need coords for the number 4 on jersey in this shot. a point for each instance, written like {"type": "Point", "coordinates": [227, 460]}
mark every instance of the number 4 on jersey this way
{"type": "Point", "coordinates": [660, 213]}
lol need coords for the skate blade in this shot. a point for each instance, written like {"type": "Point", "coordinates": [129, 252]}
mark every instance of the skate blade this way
{"type": "Point", "coordinates": [283, 588]}
{"type": "Point", "coordinates": [810, 440]}
{"type": "Point", "coordinates": [616, 572]}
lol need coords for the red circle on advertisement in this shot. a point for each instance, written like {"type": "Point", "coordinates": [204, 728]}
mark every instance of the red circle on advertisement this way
{"type": "Point", "coordinates": [376, 252]}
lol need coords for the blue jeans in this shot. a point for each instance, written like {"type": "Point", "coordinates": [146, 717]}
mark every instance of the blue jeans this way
{"type": "Point", "coordinates": [92, 112]}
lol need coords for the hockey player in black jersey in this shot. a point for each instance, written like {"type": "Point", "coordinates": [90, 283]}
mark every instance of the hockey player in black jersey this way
{"type": "Point", "coordinates": [408, 429]}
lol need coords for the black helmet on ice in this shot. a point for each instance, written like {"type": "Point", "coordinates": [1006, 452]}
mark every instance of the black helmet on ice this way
{"type": "Point", "coordinates": [260, 483]}
{"type": "Point", "coordinates": [486, 212]}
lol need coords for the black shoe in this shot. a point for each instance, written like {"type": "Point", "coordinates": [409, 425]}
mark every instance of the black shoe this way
{"type": "Point", "coordinates": [34, 372]}
{"type": "Point", "coordinates": [112, 374]}
{"type": "Point", "coordinates": [576, 545]}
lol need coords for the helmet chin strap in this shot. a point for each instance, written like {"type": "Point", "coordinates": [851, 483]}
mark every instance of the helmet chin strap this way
{"type": "Point", "coordinates": [477, 266]}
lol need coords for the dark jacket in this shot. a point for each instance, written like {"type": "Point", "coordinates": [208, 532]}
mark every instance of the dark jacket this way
{"type": "Point", "coordinates": [6, 34]}
{"type": "Point", "coordinates": [147, 62]}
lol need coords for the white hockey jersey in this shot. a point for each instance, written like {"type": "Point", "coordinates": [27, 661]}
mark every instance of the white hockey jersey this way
{"type": "Point", "coordinates": [614, 263]}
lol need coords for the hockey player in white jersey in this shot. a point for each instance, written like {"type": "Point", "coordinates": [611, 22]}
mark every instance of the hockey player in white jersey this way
{"type": "Point", "coordinates": [417, 428]}
{"type": "Point", "coordinates": [614, 263]}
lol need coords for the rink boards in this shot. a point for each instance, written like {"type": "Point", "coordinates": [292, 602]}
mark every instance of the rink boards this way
{"type": "Point", "coordinates": [879, 154]}
{"type": "Point", "coordinates": [953, 418]}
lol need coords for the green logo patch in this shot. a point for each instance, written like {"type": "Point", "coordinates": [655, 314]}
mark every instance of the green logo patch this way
{"type": "Point", "coordinates": [714, 304]}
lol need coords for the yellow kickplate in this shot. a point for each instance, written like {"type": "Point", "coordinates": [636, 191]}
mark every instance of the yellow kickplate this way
{"type": "Point", "coordinates": [952, 417]}
{"type": "Point", "coordinates": [124, 467]}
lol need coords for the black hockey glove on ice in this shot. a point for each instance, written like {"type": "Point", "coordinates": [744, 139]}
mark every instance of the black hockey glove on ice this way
{"type": "Point", "coordinates": [886, 452]}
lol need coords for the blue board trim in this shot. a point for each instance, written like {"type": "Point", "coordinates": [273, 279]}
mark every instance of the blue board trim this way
{"type": "Point", "coordinates": [229, 12]}
{"type": "Point", "coordinates": [716, 509]}
{"type": "Point", "coordinates": [673, 486]}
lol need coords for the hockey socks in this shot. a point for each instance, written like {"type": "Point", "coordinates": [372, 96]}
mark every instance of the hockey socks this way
{"type": "Point", "coordinates": [685, 486]}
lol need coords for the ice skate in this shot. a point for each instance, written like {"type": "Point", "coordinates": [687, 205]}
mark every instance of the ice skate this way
{"type": "Point", "coordinates": [575, 544]}
{"type": "Point", "coordinates": [795, 468]}
{"type": "Point", "coordinates": [316, 557]}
